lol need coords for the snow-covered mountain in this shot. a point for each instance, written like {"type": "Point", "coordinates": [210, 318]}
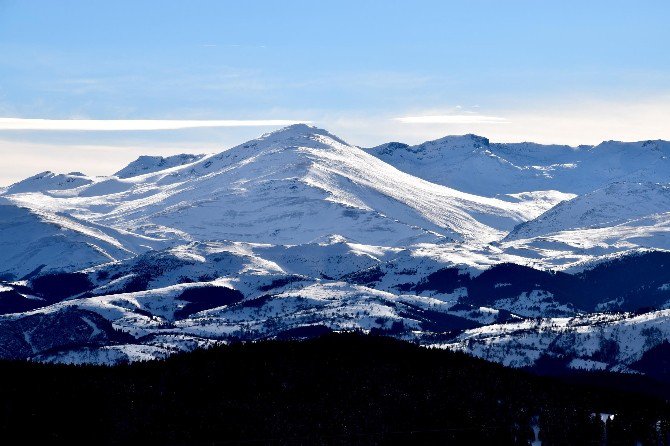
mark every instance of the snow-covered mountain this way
{"type": "Point", "coordinates": [149, 164]}
{"type": "Point", "coordinates": [452, 160]}
{"type": "Point", "coordinates": [618, 217]}
{"type": "Point", "coordinates": [46, 181]}
{"type": "Point", "coordinates": [454, 242]}
{"type": "Point", "coordinates": [609, 206]}
{"type": "Point", "coordinates": [295, 185]}
{"type": "Point", "coordinates": [473, 164]}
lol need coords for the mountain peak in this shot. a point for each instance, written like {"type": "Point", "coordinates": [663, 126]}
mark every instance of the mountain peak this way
{"type": "Point", "coordinates": [48, 180]}
{"type": "Point", "coordinates": [148, 164]}
{"type": "Point", "coordinates": [388, 148]}
{"type": "Point", "coordinates": [300, 131]}
{"type": "Point", "coordinates": [460, 140]}
{"type": "Point", "coordinates": [450, 142]}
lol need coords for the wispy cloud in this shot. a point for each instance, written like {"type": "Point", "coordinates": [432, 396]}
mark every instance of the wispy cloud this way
{"type": "Point", "coordinates": [452, 119]}
{"type": "Point", "coordinates": [572, 119]}
{"type": "Point", "coordinates": [134, 124]}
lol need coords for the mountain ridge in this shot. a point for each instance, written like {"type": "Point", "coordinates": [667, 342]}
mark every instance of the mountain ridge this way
{"type": "Point", "coordinates": [298, 231]}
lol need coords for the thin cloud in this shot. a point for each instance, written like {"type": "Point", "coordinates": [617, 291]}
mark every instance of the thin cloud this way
{"type": "Point", "coordinates": [452, 119]}
{"type": "Point", "coordinates": [133, 124]}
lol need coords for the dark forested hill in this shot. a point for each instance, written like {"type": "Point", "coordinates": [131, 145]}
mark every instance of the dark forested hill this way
{"type": "Point", "coordinates": [337, 389]}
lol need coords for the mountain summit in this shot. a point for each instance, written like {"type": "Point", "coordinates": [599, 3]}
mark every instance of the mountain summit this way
{"type": "Point", "coordinates": [300, 184]}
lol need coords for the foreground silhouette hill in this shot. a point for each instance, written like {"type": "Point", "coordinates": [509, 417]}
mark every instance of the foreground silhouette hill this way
{"type": "Point", "coordinates": [336, 389]}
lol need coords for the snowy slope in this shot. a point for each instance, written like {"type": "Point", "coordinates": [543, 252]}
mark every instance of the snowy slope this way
{"type": "Point", "coordinates": [621, 217]}
{"type": "Point", "coordinates": [301, 183]}
{"type": "Point", "coordinates": [612, 205]}
{"type": "Point", "coordinates": [602, 341]}
{"type": "Point", "coordinates": [32, 241]}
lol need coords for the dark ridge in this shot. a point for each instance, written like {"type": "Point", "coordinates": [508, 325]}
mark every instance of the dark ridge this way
{"type": "Point", "coordinates": [276, 283]}
{"type": "Point", "coordinates": [68, 328]}
{"type": "Point", "coordinates": [635, 278]}
{"type": "Point", "coordinates": [339, 389]}
{"type": "Point", "coordinates": [630, 283]}
{"type": "Point", "coordinates": [367, 276]}
{"type": "Point", "coordinates": [304, 332]}
{"type": "Point", "coordinates": [55, 287]}
{"type": "Point", "coordinates": [655, 362]}
{"type": "Point", "coordinates": [139, 282]}
{"type": "Point", "coordinates": [14, 302]}
{"type": "Point", "coordinates": [485, 288]}
{"type": "Point", "coordinates": [436, 321]}
{"type": "Point", "coordinates": [204, 298]}
{"type": "Point", "coordinates": [445, 280]}
{"type": "Point", "coordinates": [257, 302]}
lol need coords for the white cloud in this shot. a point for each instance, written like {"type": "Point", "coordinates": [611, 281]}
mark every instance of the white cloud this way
{"type": "Point", "coordinates": [452, 119]}
{"type": "Point", "coordinates": [133, 124]}
{"type": "Point", "coordinates": [569, 120]}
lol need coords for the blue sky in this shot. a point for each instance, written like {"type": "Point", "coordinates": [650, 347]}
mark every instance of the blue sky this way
{"type": "Point", "coordinates": [549, 71]}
